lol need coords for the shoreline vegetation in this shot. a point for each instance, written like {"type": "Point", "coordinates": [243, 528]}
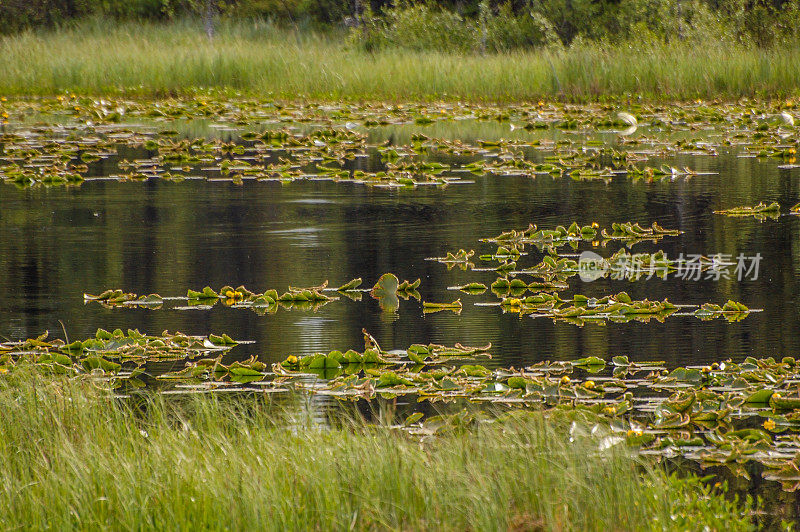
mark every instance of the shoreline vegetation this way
{"type": "Point", "coordinates": [156, 59]}
{"type": "Point", "coordinates": [75, 456]}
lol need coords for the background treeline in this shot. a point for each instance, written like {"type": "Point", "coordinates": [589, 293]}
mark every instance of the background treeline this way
{"type": "Point", "coordinates": [455, 25]}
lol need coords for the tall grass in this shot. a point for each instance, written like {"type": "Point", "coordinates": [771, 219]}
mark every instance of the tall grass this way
{"type": "Point", "coordinates": [73, 457]}
{"type": "Point", "coordinates": [151, 59]}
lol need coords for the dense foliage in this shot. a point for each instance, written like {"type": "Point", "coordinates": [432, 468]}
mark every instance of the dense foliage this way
{"type": "Point", "coordinates": [456, 25]}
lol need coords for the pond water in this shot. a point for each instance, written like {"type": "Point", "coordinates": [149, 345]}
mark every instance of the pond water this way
{"type": "Point", "coordinates": [157, 236]}
{"type": "Point", "coordinates": [164, 236]}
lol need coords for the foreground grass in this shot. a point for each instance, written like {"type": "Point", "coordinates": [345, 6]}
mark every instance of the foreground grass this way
{"type": "Point", "coordinates": [103, 58]}
{"type": "Point", "coordinates": [73, 457]}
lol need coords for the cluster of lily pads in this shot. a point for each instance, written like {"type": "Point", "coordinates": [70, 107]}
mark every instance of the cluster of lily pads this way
{"type": "Point", "coordinates": [285, 141]}
{"type": "Point", "coordinates": [553, 273]}
{"type": "Point", "coordinates": [618, 308]}
{"type": "Point", "coordinates": [761, 212]}
{"type": "Point", "coordinates": [627, 233]}
{"type": "Point", "coordinates": [620, 265]}
{"type": "Point", "coordinates": [121, 355]}
{"type": "Point", "coordinates": [387, 290]}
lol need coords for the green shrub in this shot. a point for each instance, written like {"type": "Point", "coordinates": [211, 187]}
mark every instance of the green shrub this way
{"type": "Point", "coordinates": [506, 30]}
{"type": "Point", "coordinates": [424, 27]}
{"type": "Point", "coordinates": [419, 27]}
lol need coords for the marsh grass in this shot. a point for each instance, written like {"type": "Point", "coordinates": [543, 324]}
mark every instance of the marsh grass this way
{"type": "Point", "coordinates": [255, 57]}
{"type": "Point", "coordinates": [74, 457]}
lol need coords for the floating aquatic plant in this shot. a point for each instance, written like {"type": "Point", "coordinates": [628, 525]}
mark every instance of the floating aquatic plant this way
{"type": "Point", "coordinates": [552, 274]}
{"type": "Point", "coordinates": [629, 233]}
{"type": "Point", "coordinates": [617, 308]}
{"type": "Point", "coordinates": [115, 352]}
{"type": "Point", "coordinates": [388, 289]}
{"type": "Point", "coordinates": [311, 298]}
{"type": "Point", "coordinates": [429, 307]}
{"type": "Point", "coordinates": [762, 211]}
{"type": "Point", "coordinates": [267, 147]}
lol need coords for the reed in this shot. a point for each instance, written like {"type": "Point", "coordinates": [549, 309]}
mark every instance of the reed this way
{"type": "Point", "coordinates": [74, 457]}
{"type": "Point", "coordinates": [258, 58]}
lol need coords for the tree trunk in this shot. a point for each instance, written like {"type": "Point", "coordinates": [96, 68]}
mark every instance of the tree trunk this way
{"type": "Point", "coordinates": [208, 19]}
{"type": "Point", "coordinates": [484, 13]}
